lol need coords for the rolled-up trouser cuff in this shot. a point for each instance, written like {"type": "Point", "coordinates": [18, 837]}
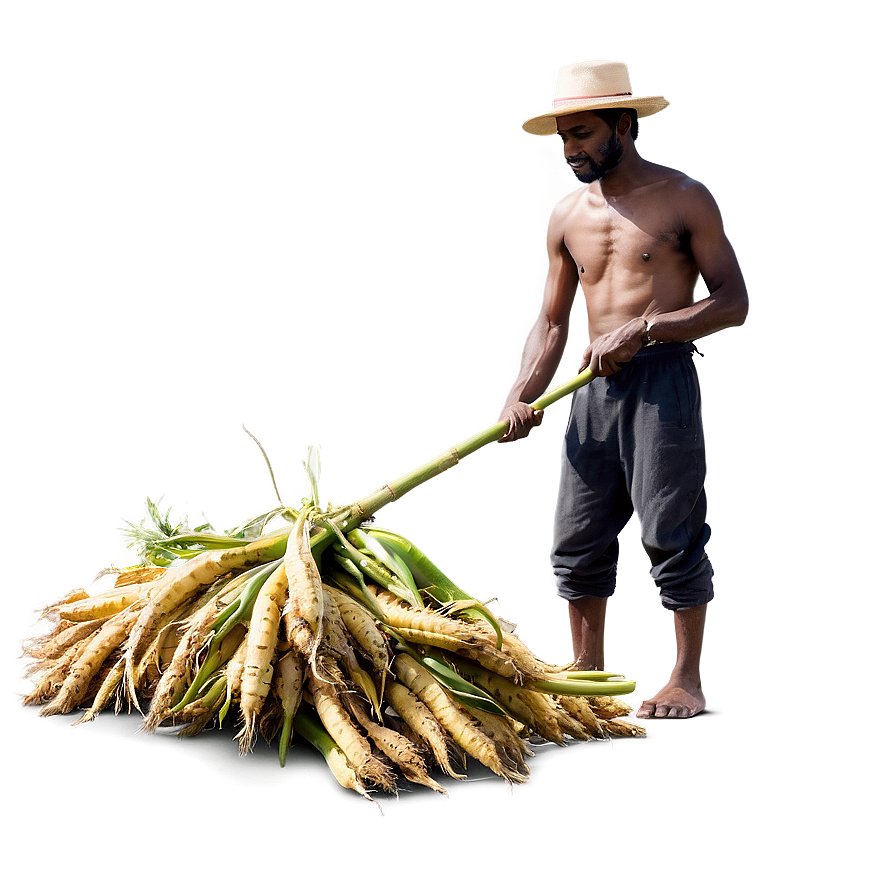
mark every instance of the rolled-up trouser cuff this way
{"type": "Point", "coordinates": [695, 599]}
{"type": "Point", "coordinates": [573, 588]}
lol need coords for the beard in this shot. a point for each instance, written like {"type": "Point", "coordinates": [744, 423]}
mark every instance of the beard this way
{"type": "Point", "coordinates": [611, 153]}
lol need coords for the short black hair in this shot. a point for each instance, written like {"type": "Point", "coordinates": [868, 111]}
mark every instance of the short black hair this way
{"type": "Point", "coordinates": [612, 116]}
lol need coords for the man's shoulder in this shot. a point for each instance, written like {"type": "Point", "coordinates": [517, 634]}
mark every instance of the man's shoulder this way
{"type": "Point", "coordinates": [675, 181]}
{"type": "Point", "coordinates": [684, 189]}
{"type": "Point", "coordinates": [565, 203]}
{"type": "Point", "coordinates": [563, 209]}
{"type": "Point", "coordinates": [684, 196]}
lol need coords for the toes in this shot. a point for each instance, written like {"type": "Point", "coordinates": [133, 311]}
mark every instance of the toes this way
{"type": "Point", "coordinates": [660, 709]}
{"type": "Point", "coordinates": [678, 711]}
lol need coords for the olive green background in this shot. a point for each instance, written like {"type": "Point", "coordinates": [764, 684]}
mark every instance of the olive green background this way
{"type": "Point", "coordinates": [325, 223]}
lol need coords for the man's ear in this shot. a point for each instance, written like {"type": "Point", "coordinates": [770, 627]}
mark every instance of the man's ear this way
{"type": "Point", "coordinates": [624, 125]}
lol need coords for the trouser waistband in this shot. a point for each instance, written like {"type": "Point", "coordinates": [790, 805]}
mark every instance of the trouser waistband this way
{"type": "Point", "coordinates": [665, 348]}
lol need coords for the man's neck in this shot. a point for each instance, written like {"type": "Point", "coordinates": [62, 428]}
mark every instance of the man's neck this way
{"type": "Point", "coordinates": [626, 176]}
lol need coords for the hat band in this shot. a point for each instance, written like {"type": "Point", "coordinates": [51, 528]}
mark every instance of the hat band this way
{"type": "Point", "coordinates": [566, 100]}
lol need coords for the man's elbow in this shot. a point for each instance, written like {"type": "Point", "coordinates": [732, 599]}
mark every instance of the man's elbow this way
{"type": "Point", "coordinates": [741, 307]}
{"type": "Point", "coordinates": [734, 305]}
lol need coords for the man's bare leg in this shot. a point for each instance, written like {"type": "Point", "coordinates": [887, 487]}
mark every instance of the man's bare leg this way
{"type": "Point", "coordinates": [586, 621]}
{"type": "Point", "coordinates": [683, 696]}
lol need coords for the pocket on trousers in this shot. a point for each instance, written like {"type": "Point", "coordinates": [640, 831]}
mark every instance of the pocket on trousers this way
{"type": "Point", "coordinates": [688, 391]}
{"type": "Point", "coordinates": [676, 407]}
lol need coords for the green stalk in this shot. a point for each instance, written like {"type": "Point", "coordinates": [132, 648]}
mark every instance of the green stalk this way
{"type": "Point", "coordinates": [285, 738]}
{"type": "Point", "coordinates": [308, 725]}
{"type": "Point", "coordinates": [562, 687]}
{"type": "Point", "coordinates": [240, 608]}
{"type": "Point", "coordinates": [465, 692]}
{"type": "Point", "coordinates": [182, 542]}
{"type": "Point", "coordinates": [237, 611]}
{"type": "Point", "coordinates": [585, 675]}
{"type": "Point", "coordinates": [235, 586]}
{"type": "Point", "coordinates": [273, 547]}
{"type": "Point", "coordinates": [225, 706]}
{"type": "Point", "coordinates": [431, 579]}
{"type": "Point", "coordinates": [392, 491]}
{"type": "Point", "coordinates": [214, 694]}
{"type": "Point", "coordinates": [350, 580]}
{"type": "Point", "coordinates": [211, 665]}
{"type": "Point", "coordinates": [213, 661]}
{"type": "Point", "coordinates": [580, 688]}
{"type": "Point", "coordinates": [364, 540]}
{"type": "Point", "coordinates": [368, 564]}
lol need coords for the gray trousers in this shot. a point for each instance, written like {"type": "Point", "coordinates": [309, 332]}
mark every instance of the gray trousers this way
{"type": "Point", "coordinates": [634, 443]}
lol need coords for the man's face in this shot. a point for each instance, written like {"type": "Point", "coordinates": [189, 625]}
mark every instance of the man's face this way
{"type": "Point", "coordinates": [591, 146]}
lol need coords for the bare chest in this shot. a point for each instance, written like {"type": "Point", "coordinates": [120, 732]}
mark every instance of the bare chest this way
{"type": "Point", "coordinates": [631, 238]}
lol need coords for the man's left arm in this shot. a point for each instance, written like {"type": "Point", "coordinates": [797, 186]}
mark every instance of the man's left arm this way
{"type": "Point", "coordinates": [727, 303]}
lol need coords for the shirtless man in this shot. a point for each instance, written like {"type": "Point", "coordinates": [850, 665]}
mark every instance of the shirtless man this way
{"type": "Point", "coordinates": [635, 237]}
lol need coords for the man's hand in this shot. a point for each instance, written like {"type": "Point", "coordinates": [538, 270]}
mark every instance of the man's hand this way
{"type": "Point", "coordinates": [606, 355]}
{"type": "Point", "coordinates": [522, 418]}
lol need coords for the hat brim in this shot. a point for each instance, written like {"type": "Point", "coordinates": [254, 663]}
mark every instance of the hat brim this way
{"type": "Point", "coordinates": [546, 124]}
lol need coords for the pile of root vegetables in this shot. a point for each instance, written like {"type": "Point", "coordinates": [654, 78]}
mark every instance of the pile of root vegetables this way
{"type": "Point", "coordinates": [353, 641]}
{"type": "Point", "coordinates": [315, 625]}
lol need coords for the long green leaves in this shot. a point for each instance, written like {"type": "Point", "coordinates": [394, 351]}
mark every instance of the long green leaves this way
{"type": "Point", "coordinates": [431, 580]}
{"type": "Point", "coordinates": [366, 542]}
{"type": "Point", "coordinates": [464, 691]}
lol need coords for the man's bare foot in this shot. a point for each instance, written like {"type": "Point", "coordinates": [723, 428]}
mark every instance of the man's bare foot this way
{"type": "Point", "coordinates": [674, 701]}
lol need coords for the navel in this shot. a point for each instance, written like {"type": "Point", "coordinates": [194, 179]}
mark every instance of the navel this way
{"type": "Point", "coordinates": [582, 269]}
{"type": "Point", "coordinates": [645, 256]}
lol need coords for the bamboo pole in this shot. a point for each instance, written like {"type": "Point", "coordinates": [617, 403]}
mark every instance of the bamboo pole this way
{"type": "Point", "coordinates": [273, 547]}
{"type": "Point", "coordinates": [393, 490]}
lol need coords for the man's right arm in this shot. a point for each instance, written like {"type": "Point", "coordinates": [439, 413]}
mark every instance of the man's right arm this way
{"type": "Point", "coordinates": [547, 339]}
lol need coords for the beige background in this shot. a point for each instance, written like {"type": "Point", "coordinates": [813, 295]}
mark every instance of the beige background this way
{"type": "Point", "coordinates": [327, 224]}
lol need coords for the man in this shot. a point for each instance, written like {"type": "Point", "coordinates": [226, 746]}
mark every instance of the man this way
{"type": "Point", "coordinates": [635, 238]}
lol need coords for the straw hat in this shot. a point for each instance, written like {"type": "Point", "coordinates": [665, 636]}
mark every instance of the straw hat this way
{"type": "Point", "coordinates": [600, 84]}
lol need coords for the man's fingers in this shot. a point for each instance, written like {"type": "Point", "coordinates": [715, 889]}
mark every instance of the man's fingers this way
{"type": "Point", "coordinates": [586, 359]}
{"type": "Point", "coordinates": [520, 421]}
{"type": "Point", "coordinates": [605, 367]}
{"type": "Point", "coordinates": [512, 428]}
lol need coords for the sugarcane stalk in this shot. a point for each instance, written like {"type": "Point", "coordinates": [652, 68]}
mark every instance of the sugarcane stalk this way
{"type": "Point", "coordinates": [392, 491]}
{"type": "Point", "coordinates": [273, 546]}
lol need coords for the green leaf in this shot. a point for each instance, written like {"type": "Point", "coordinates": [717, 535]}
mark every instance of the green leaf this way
{"type": "Point", "coordinates": [464, 691]}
